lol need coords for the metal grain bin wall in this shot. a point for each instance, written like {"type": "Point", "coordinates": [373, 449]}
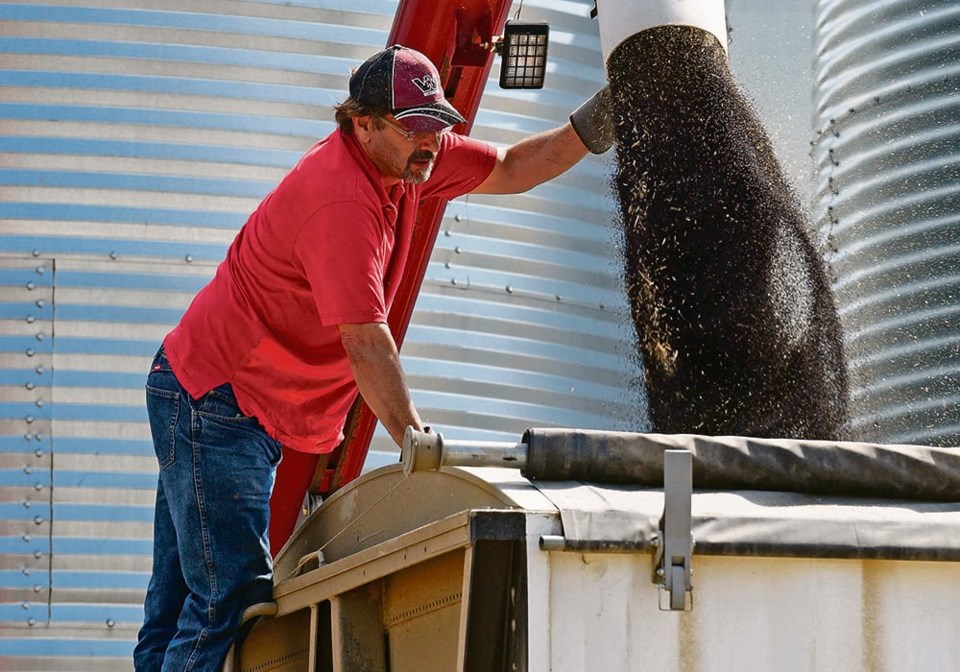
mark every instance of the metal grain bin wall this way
{"type": "Point", "coordinates": [888, 204]}
{"type": "Point", "coordinates": [136, 137]}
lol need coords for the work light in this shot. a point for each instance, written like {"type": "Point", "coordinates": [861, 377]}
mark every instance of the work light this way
{"type": "Point", "coordinates": [524, 51]}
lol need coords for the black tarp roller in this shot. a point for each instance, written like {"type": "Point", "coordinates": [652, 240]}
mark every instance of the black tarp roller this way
{"type": "Point", "coordinates": [919, 473]}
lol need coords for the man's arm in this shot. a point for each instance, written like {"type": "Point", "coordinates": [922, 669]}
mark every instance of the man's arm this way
{"type": "Point", "coordinates": [533, 161]}
{"type": "Point", "coordinates": [543, 156]}
{"type": "Point", "coordinates": [376, 367]}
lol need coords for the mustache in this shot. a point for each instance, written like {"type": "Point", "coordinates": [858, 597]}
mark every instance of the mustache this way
{"type": "Point", "coordinates": [422, 155]}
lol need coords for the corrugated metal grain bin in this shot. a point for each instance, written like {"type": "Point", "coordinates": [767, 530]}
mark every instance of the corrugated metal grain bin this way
{"type": "Point", "coordinates": [888, 155]}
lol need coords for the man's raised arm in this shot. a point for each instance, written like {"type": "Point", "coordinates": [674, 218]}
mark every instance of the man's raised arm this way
{"type": "Point", "coordinates": [543, 156]}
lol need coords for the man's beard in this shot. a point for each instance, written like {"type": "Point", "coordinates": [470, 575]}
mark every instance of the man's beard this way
{"type": "Point", "coordinates": [417, 176]}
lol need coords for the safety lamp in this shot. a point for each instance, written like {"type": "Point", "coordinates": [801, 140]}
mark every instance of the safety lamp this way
{"type": "Point", "coordinates": [523, 48]}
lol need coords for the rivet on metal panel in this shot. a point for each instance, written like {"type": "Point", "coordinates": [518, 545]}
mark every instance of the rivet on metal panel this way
{"type": "Point", "coordinates": [28, 436]}
{"type": "Point", "coordinates": [40, 336]}
{"type": "Point", "coordinates": [38, 487]}
{"type": "Point", "coordinates": [41, 270]}
{"type": "Point", "coordinates": [28, 469]}
{"type": "Point", "coordinates": [457, 250]}
{"type": "Point", "coordinates": [38, 520]}
{"type": "Point", "coordinates": [188, 258]}
{"type": "Point", "coordinates": [447, 233]}
{"type": "Point", "coordinates": [31, 352]}
{"type": "Point", "coordinates": [457, 218]}
{"type": "Point", "coordinates": [31, 621]}
{"type": "Point", "coordinates": [39, 403]}
{"type": "Point", "coordinates": [24, 605]}
{"type": "Point", "coordinates": [36, 252]}
{"type": "Point", "coordinates": [111, 622]}
{"type": "Point", "coordinates": [30, 386]}
{"type": "Point", "coordinates": [26, 537]}
{"type": "Point", "coordinates": [31, 319]}
{"type": "Point", "coordinates": [453, 281]}
{"type": "Point", "coordinates": [559, 298]}
{"type": "Point", "coordinates": [39, 437]}
{"type": "Point", "coordinates": [40, 303]}
{"type": "Point", "coordinates": [38, 554]}
{"type": "Point", "coordinates": [509, 289]}
{"type": "Point", "coordinates": [602, 305]}
{"type": "Point", "coordinates": [37, 588]}
{"type": "Point", "coordinates": [25, 503]}
{"type": "Point", "coordinates": [25, 571]}
{"type": "Point", "coordinates": [31, 285]}
{"type": "Point", "coordinates": [113, 255]}
{"type": "Point", "coordinates": [40, 370]}
{"type": "Point", "coordinates": [29, 419]}
{"type": "Point", "coordinates": [446, 264]}
{"type": "Point", "coordinates": [38, 452]}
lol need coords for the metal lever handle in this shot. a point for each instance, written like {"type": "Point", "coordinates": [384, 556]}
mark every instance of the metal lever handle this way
{"type": "Point", "coordinates": [428, 452]}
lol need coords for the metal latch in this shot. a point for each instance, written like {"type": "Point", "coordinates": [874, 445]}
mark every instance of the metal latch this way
{"type": "Point", "coordinates": [672, 561]}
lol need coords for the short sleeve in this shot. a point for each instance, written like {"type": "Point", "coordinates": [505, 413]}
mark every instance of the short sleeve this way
{"type": "Point", "coordinates": [341, 250]}
{"type": "Point", "coordinates": [463, 163]}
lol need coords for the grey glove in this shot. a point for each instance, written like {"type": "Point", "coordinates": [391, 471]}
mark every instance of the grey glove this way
{"type": "Point", "coordinates": [593, 123]}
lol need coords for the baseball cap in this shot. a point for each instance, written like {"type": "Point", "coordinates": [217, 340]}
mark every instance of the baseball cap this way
{"type": "Point", "coordinates": [405, 82]}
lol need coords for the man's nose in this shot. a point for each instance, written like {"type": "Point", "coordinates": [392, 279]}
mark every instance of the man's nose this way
{"type": "Point", "coordinates": [430, 141]}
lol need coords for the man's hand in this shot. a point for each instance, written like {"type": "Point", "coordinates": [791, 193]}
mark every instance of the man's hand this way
{"type": "Point", "coordinates": [593, 123]}
{"type": "Point", "coordinates": [376, 368]}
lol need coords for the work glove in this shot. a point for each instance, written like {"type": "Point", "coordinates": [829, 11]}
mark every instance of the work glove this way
{"type": "Point", "coordinates": [593, 123]}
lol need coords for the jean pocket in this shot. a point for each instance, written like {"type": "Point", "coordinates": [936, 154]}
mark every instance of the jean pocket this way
{"type": "Point", "coordinates": [163, 410]}
{"type": "Point", "coordinates": [221, 404]}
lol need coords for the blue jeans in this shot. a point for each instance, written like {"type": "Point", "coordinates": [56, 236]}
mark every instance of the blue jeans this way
{"type": "Point", "coordinates": [211, 555]}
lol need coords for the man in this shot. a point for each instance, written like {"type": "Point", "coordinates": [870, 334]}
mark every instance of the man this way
{"type": "Point", "coordinates": [273, 351]}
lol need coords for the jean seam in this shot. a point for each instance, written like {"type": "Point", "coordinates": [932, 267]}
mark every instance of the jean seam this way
{"type": "Point", "coordinates": [195, 427]}
{"type": "Point", "coordinates": [195, 654]}
{"type": "Point", "coordinates": [173, 435]}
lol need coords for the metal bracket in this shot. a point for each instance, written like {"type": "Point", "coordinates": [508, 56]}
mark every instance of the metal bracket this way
{"type": "Point", "coordinates": [261, 609]}
{"type": "Point", "coordinates": [672, 561]}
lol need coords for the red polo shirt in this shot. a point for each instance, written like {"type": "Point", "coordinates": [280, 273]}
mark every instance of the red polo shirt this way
{"type": "Point", "coordinates": [327, 246]}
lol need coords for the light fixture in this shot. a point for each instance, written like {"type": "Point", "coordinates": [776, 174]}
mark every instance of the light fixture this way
{"type": "Point", "coordinates": [523, 48]}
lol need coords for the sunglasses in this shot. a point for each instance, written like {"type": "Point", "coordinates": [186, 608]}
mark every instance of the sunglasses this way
{"type": "Point", "coordinates": [411, 136]}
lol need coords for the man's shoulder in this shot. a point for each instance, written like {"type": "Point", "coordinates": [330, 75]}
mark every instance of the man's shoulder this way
{"type": "Point", "coordinates": [329, 171]}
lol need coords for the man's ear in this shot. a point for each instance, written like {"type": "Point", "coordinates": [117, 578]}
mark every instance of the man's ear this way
{"type": "Point", "coordinates": [363, 128]}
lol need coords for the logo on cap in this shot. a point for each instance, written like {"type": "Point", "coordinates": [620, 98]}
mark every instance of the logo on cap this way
{"type": "Point", "coordinates": [427, 85]}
